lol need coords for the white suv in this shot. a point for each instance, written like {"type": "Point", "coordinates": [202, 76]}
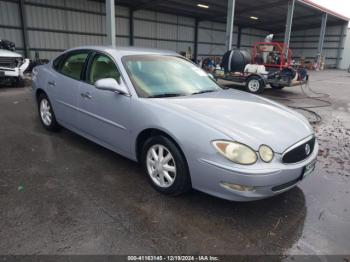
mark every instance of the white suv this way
{"type": "Point", "coordinates": [12, 67]}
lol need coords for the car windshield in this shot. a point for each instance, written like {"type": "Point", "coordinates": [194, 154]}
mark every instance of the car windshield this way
{"type": "Point", "coordinates": [167, 76]}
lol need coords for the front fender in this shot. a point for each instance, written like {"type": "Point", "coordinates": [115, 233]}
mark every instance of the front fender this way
{"type": "Point", "coordinates": [192, 136]}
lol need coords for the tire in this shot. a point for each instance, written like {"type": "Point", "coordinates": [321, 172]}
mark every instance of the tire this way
{"type": "Point", "coordinates": [276, 86]}
{"type": "Point", "coordinates": [46, 114]}
{"type": "Point", "coordinates": [255, 85]}
{"type": "Point", "coordinates": [177, 181]}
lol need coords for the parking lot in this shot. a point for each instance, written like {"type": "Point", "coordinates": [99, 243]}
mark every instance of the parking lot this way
{"type": "Point", "coordinates": [61, 194]}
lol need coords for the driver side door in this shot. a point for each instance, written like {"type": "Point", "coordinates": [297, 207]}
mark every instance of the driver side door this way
{"type": "Point", "coordinates": [103, 115]}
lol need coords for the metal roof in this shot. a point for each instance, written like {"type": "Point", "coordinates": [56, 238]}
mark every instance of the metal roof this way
{"type": "Point", "coordinates": [271, 13]}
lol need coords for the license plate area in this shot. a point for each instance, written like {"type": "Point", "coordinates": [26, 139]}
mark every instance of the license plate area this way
{"type": "Point", "coordinates": [308, 169]}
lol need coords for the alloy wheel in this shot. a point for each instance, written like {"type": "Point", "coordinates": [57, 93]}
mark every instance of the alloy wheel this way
{"type": "Point", "coordinates": [45, 112]}
{"type": "Point", "coordinates": [161, 166]}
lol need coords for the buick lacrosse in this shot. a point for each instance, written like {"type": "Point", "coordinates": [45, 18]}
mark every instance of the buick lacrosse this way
{"type": "Point", "coordinates": [159, 109]}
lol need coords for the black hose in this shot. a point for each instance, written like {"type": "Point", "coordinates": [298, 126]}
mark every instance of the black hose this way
{"type": "Point", "coordinates": [319, 97]}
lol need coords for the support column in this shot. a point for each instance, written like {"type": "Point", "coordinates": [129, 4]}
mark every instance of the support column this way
{"type": "Point", "coordinates": [321, 39]}
{"type": "Point", "coordinates": [239, 37]}
{"type": "Point", "coordinates": [289, 23]}
{"type": "Point", "coordinates": [341, 43]}
{"type": "Point", "coordinates": [229, 23]}
{"type": "Point", "coordinates": [23, 16]}
{"type": "Point", "coordinates": [322, 33]}
{"type": "Point", "coordinates": [195, 45]}
{"type": "Point", "coordinates": [131, 26]}
{"type": "Point", "coordinates": [110, 22]}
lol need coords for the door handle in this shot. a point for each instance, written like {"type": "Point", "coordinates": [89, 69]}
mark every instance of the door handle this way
{"type": "Point", "coordinates": [86, 95]}
{"type": "Point", "coordinates": [51, 83]}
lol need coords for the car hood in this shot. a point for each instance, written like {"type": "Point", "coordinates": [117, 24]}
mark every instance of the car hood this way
{"type": "Point", "coordinates": [7, 53]}
{"type": "Point", "coordinates": [244, 117]}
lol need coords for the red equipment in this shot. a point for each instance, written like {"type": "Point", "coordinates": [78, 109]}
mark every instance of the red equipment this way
{"type": "Point", "coordinates": [273, 55]}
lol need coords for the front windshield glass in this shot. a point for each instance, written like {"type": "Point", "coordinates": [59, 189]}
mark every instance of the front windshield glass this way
{"type": "Point", "coordinates": [167, 76]}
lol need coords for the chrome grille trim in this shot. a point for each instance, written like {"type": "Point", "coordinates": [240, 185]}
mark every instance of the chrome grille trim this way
{"type": "Point", "coordinates": [295, 146]}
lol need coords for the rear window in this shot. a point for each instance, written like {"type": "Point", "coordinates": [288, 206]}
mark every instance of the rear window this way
{"type": "Point", "coordinates": [71, 65]}
{"type": "Point", "coordinates": [57, 62]}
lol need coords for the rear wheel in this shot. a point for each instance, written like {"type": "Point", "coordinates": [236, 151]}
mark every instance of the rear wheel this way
{"type": "Point", "coordinates": [46, 114]}
{"type": "Point", "coordinates": [255, 85]}
{"type": "Point", "coordinates": [165, 166]}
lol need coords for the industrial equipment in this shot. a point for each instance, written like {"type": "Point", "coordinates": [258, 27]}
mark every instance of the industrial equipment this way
{"type": "Point", "coordinates": [269, 63]}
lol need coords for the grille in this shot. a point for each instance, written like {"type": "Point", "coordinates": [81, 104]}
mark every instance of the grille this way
{"type": "Point", "coordinates": [299, 153]}
{"type": "Point", "coordinates": [9, 62]}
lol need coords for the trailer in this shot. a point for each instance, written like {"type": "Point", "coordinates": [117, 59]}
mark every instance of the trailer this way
{"type": "Point", "coordinates": [255, 83]}
{"type": "Point", "coordinates": [270, 64]}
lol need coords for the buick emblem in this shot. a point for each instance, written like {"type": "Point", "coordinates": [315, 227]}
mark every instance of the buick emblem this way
{"type": "Point", "coordinates": [307, 149]}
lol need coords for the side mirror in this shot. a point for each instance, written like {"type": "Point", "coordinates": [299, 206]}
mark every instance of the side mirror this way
{"type": "Point", "coordinates": [110, 84]}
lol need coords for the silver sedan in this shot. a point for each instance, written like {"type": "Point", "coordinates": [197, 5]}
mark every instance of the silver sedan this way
{"type": "Point", "coordinates": [159, 109]}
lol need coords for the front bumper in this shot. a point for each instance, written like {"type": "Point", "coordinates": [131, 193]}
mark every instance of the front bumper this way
{"type": "Point", "coordinates": [16, 72]}
{"type": "Point", "coordinates": [208, 176]}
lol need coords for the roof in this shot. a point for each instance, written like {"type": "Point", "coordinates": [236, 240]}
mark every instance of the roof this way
{"type": "Point", "coordinates": [324, 9]}
{"type": "Point", "coordinates": [271, 13]}
{"type": "Point", "coordinates": [125, 50]}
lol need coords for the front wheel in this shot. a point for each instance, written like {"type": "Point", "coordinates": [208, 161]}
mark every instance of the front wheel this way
{"type": "Point", "coordinates": [46, 114]}
{"type": "Point", "coordinates": [255, 85]}
{"type": "Point", "coordinates": [165, 166]}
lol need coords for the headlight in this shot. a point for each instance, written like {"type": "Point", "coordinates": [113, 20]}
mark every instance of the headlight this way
{"type": "Point", "coordinates": [266, 153]}
{"type": "Point", "coordinates": [236, 152]}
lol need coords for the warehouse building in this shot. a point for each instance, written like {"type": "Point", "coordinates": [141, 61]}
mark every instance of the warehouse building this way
{"type": "Point", "coordinates": [47, 27]}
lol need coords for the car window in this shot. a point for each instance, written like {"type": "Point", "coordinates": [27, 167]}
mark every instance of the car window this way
{"type": "Point", "coordinates": [73, 65]}
{"type": "Point", "coordinates": [102, 67]}
{"type": "Point", "coordinates": [57, 62]}
{"type": "Point", "coordinates": [165, 76]}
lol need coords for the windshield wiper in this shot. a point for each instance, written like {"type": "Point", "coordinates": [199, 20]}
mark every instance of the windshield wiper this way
{"type": "Point", "coordinates": [202, 92]}
{"type": "Point", "coordinates": [164, 95]}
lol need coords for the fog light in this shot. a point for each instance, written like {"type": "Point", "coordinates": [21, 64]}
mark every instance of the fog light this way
{"type": "Point", "coordinates": [237, 187]}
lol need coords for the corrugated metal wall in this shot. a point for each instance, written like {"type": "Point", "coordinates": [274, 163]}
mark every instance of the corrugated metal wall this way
{"type": "Point", "coordinates": [164, 31]}
{"type": "Point", "coordinates": [304, 43]}
{"type": "Point", "coordinates": [10, 23]}
{"type": "Point", "coordinates": [345, 62]}
{"type": "Point", "coordinates": [56, 25]}
{"type": "Point", "coordinates": [211, 38]}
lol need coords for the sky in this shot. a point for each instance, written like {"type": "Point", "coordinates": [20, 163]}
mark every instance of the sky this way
{"type": "Point", "coordinates": [340, 6]}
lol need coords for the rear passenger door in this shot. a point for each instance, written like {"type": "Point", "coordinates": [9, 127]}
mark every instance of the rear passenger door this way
{"type": "Point", "coordinates": [104, 115]}
{"type": "Point", "coordinates": [64, 85]}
